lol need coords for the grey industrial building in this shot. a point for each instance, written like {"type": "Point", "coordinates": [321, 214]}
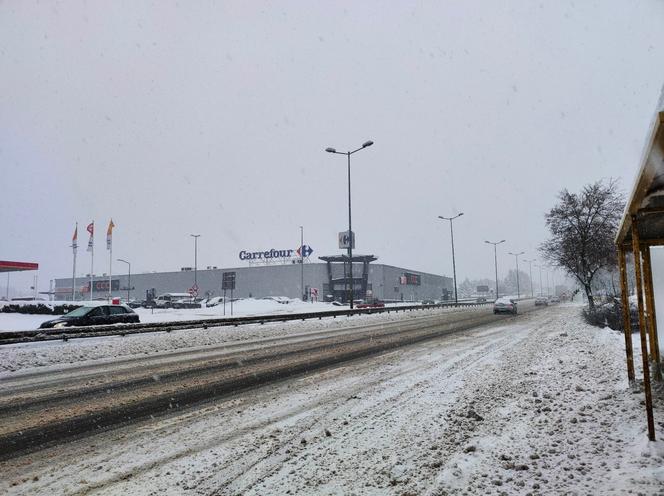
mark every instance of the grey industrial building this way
{"type": "Point", "coordinates": [330, 278]}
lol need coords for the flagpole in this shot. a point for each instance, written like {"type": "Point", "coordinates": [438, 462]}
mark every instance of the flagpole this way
{"type": "Point", "coordinates": [110, 272]}
{"type": "Point", "coordinates": [73, 272]}
{"type": "Point", "coordinates": [92, 269]}
{"type": "Point", "coordinates": [109, 247]}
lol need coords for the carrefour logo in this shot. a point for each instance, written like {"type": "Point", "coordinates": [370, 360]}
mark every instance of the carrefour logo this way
{"type": "Point", "coordinates": [302, 251]}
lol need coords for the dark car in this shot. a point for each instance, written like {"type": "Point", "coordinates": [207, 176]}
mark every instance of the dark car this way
{"type": "Point", "coordinates": [99, 315]}
{"type": "Point", "coordinates": [370, 304]}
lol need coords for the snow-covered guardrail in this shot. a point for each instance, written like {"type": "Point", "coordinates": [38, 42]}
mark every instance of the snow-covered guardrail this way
{"type": "Point", "coordinates": [12, 337]}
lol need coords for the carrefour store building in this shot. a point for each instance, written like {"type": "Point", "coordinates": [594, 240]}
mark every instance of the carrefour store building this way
{"type": "Point", "coordinates": [273, 272]}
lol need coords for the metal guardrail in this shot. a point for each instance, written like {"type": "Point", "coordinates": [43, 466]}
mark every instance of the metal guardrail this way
{"type": "Point", "coordinates": [9, 337]}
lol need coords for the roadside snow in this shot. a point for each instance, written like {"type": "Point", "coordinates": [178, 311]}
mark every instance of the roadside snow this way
{"type": "Point", "coordinates": [246, 307]}
{"type": "Point", "coordinates": [538, 404]}
{"type": "Point", "coordinates": [76, 351]}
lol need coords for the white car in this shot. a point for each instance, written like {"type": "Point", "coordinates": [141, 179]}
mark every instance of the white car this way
{"type": "Point", "coordinates": [505, 305]}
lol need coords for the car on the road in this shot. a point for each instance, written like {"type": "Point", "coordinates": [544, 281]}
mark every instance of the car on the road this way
{"type": "Point", "coordinates": [505, 305]}
{"type": "Point", "coordinates": [541, 301]}
{"type": "Point", "coordinates": [94, 315]}
{"type": "Point", "coordinates": [371, 304]}
{"type": "Point", "coordinates": [428, 302]}
{"type": "Point", "coordinates": [554, 299]}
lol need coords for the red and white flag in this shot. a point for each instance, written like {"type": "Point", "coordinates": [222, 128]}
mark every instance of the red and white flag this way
{"type": "Point", "coordinates": [91, 230]}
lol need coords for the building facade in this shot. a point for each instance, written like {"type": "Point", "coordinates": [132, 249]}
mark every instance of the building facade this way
{"type": "Point", "coordinates": [381, 281]}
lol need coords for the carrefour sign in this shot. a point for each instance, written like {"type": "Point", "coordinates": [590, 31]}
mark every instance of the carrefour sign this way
{"type": "Point", "coordinates": [302, 251]}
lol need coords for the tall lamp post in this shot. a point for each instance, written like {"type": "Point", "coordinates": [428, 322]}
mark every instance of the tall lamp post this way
{"type": "Point", "coordinates": [129, 277]}
{"type": "Point", "coordinates": [495, 259]}
{"type": "Point", "coordinates": [540, 277]}
{"type": "Point", "coordinates": [456, 297]}
{"type": "Point", "coordinates": [350, 230]}
{"type": "Point", "coordinates": [516, 256]}
{"type": "Point", "coordinates": [195, 236]}
{"type": "Point", "coordinates": [530, 265]}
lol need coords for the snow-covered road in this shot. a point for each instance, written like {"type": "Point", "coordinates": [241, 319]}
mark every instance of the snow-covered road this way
{"type": "Point", "coordinates": [537, 404]}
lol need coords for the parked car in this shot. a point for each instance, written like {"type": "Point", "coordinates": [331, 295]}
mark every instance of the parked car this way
{"type": "Point", "coordinates": [555, 299]}
{"type": "Point", "coordinates": [135, 304]}
{"type": "Point", "coordinates": [99, 315]}
{"type": "Point", "coordinates": [541, 301]}
{"type": "Point", "coordinates": [480, 299]}
{"type": "Point", "coordinates": [505, 305]}
{"type": "Point", "coordinates": [166, 300]}
{"type": "Point", "coordinates": [214, 301]}
{"type": "Point", "coordinates": [185, 303]}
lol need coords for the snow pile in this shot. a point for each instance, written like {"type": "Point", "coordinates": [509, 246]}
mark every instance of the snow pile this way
{"type": "Point", "coordinates": [246, 307]}
{"type": "Point", "coordinates": [534, 405]}
{"type": "Point", "coordinates": [75, 351]}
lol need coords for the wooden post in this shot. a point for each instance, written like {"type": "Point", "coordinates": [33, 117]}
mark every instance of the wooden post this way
{"type": "Point", "coordinates": [642, 328]}
{"type": "Point", "coordinates": [627, 321]}
{"type": "Point", "coordinates": [652, 317]}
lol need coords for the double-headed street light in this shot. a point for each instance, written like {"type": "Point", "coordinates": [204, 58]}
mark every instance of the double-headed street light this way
{"type": "Point", "coordinates": [530, 264]}
{"type": "Point", "coordinates": [540, 278]}
{"type": "Point", "coordinates": [495, 259]}
{"type": "Point", "coordinates": [516, 256]}
{"type": "Point", "coordinates": [456, 298]}
{"type": "Point", "coordinates": [129, 278]}
{"type": "Point", "coordinates": [350, 230]}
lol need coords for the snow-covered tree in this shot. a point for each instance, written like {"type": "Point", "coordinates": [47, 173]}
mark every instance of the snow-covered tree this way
{"type": "Point", "coordinates": [582, 228]}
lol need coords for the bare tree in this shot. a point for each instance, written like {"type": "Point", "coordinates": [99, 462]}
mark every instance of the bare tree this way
{"type": "Point", "coordinates": [582, 229]}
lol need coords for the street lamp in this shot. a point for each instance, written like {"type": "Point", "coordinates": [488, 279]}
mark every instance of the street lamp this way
{"type": "Point", "coordinates": [129, 278]}
{"type": "Point", "coordinates": [530, 264]}
{"type": "Point", "coordinates": [195, 236]}
{"type": "Point", "coordinates": [540, 277]}
{"type": "Point", "coordinates": [495, 259]}
{"type": "Point", "coordinates": [456, 298]}
{"type": "Point", "coordinates": [516, 256]}
{"type": "Point", "coordinates": [350, 230]}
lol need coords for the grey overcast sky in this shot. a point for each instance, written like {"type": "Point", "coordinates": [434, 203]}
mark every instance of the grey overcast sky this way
{"type": "Point", "coordinates": [212, 118]}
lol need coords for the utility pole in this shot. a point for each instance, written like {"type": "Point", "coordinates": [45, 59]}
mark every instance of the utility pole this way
{"type": "Point", "coordinates": [195, 236]}
{"type": "Point", "coordinates": [456, 297]}
{"type": "Point", "coordinates": [304, 297]}
{"type": "Point", "coordinates": [530, 264]}
{"type": "Point", "coordinates": [516, 256]}
{"type": "Point", "coordinates": [495, 260]}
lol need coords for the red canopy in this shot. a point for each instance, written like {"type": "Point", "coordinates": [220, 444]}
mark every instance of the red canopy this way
{"type": "Point", "coordinates": [6, 266]}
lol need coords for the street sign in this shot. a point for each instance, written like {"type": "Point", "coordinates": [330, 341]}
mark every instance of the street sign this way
{"type": "Point", "coordinates": [345, 238]}
{"type": "Point", "coordinates": [314, 294]}
{"type": "Point", "coordinates": [228, 280]}
{"type": "Point", "coordinates": [193, 291]}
